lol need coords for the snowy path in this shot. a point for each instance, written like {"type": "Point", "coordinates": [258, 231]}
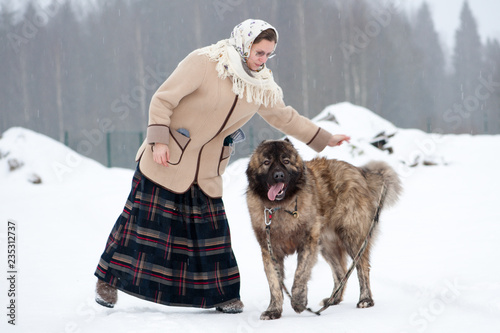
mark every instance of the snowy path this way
{"type": "Point", "coordinates": [434, 266]}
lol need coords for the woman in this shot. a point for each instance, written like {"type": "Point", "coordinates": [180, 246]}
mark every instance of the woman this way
{"type": "Point", "coordinates": [171, 244]}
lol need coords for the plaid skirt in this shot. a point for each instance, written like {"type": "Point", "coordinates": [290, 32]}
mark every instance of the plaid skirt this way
{"type": "Point", "coordinates": [173, 249]}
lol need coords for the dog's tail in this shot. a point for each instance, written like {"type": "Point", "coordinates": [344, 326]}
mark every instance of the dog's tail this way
{"type": "Point", "coordinates": [378, 173]}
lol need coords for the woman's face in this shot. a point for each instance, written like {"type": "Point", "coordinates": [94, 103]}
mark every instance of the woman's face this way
{"type": "Point", "coordinates": [259, 53]}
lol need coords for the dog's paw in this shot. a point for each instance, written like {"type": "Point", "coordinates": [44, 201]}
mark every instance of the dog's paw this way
{"type": "Point", "coordinates": [299, 304]}
{"type": "Point", "coordinates": [365, 303]}
{"type": "Point", "coordinates": [336, 301]}
{"type": "Point", "coordinates": [270, 315]}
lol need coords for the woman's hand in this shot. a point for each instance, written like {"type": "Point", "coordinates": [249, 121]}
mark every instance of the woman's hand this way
{"type": "Point", "coordinates": [338, 139]}
{"type": "Point", "coordinates": [161, 154]}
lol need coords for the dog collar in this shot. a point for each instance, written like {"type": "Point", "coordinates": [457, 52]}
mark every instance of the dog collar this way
{"type": "Point", "coordinates": [268, 213]}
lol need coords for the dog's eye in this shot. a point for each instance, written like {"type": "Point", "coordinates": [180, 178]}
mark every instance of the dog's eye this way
{"type": "Point", "coordinates": [286, 161]}
{"type": "Point", "coordinates": [267, 162]}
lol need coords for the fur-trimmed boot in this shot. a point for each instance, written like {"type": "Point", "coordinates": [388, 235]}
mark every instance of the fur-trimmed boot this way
{"type": "Point", "coordinates": [105, 294]}
{"type": "Point", "coordinates": [235, 306]}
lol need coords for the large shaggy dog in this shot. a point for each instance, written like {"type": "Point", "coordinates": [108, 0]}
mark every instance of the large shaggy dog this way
{"type": "Point", "coordinates": [335, 203]}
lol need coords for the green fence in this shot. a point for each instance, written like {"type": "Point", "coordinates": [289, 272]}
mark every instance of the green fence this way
{"type": "Point", "coordinates": [118, 148]}
{"type": "Point", "coordinates": [112, 149]}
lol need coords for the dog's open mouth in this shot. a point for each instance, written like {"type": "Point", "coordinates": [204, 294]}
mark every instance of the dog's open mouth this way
{"type": "Point", "coordinates": [276, 191]}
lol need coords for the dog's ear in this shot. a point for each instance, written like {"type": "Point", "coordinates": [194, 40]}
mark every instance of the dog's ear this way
{"type": "Point", "coordinates": [260, 145]}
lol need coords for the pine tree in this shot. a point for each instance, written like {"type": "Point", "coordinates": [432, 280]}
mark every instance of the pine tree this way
{"type": "Point", "coordinates": [492, 95]}
{"type": "Point", "coordinates": [392, 70]}
{"type": "Point", "coordinates": [430, 80]}
{"type": "Point", "coordinates": [467, 64]}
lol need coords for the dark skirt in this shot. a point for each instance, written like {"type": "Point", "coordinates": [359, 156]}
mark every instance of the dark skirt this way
{"type": "Point", "coordinates": [173, 249]}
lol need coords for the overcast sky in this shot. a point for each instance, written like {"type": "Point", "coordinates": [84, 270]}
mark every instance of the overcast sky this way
{"type": "Point", "coordinates": [446, 14]}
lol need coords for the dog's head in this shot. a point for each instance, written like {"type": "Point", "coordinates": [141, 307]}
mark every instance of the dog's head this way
{"type": "Point", "coordinates": [275, 170]}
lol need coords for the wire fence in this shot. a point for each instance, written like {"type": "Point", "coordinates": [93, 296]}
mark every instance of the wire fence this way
{"type": "Point", "coordinates": [112, 149]}
{"type": "Point", "coordinates": [118, 148]}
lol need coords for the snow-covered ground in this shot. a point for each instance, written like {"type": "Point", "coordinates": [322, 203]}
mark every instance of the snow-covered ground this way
{"type": "Point", "coordinates": [434, 267]}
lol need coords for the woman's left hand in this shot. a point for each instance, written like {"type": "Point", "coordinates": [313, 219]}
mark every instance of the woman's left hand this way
{"type": "Point", "coordinates": [338, 139]}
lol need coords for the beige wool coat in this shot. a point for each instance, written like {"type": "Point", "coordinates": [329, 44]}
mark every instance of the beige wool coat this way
{"type": "Point", "coordinates": [194, 98]}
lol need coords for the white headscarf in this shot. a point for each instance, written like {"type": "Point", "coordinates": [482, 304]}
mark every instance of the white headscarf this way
{"type": "Point", "coordinates": [231, 55]}
{"type": "Point", "coordinates": [244, 34]}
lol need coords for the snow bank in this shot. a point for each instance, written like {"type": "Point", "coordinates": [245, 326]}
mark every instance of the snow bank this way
{"type": "Point", "coordinates": [433, 265]}
{"type": "Point", "coordinates": [27, 156]}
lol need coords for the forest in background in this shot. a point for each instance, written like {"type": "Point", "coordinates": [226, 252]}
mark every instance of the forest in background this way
{"type": "Point", "coordinates": [84, 74]}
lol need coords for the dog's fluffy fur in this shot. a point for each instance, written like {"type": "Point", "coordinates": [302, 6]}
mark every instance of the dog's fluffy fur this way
{"type": "Point", "coordinates": [336, 204]}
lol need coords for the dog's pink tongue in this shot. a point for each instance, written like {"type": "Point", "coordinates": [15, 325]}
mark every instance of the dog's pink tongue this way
{"type": "Point", "coordinates": [274, 190]}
